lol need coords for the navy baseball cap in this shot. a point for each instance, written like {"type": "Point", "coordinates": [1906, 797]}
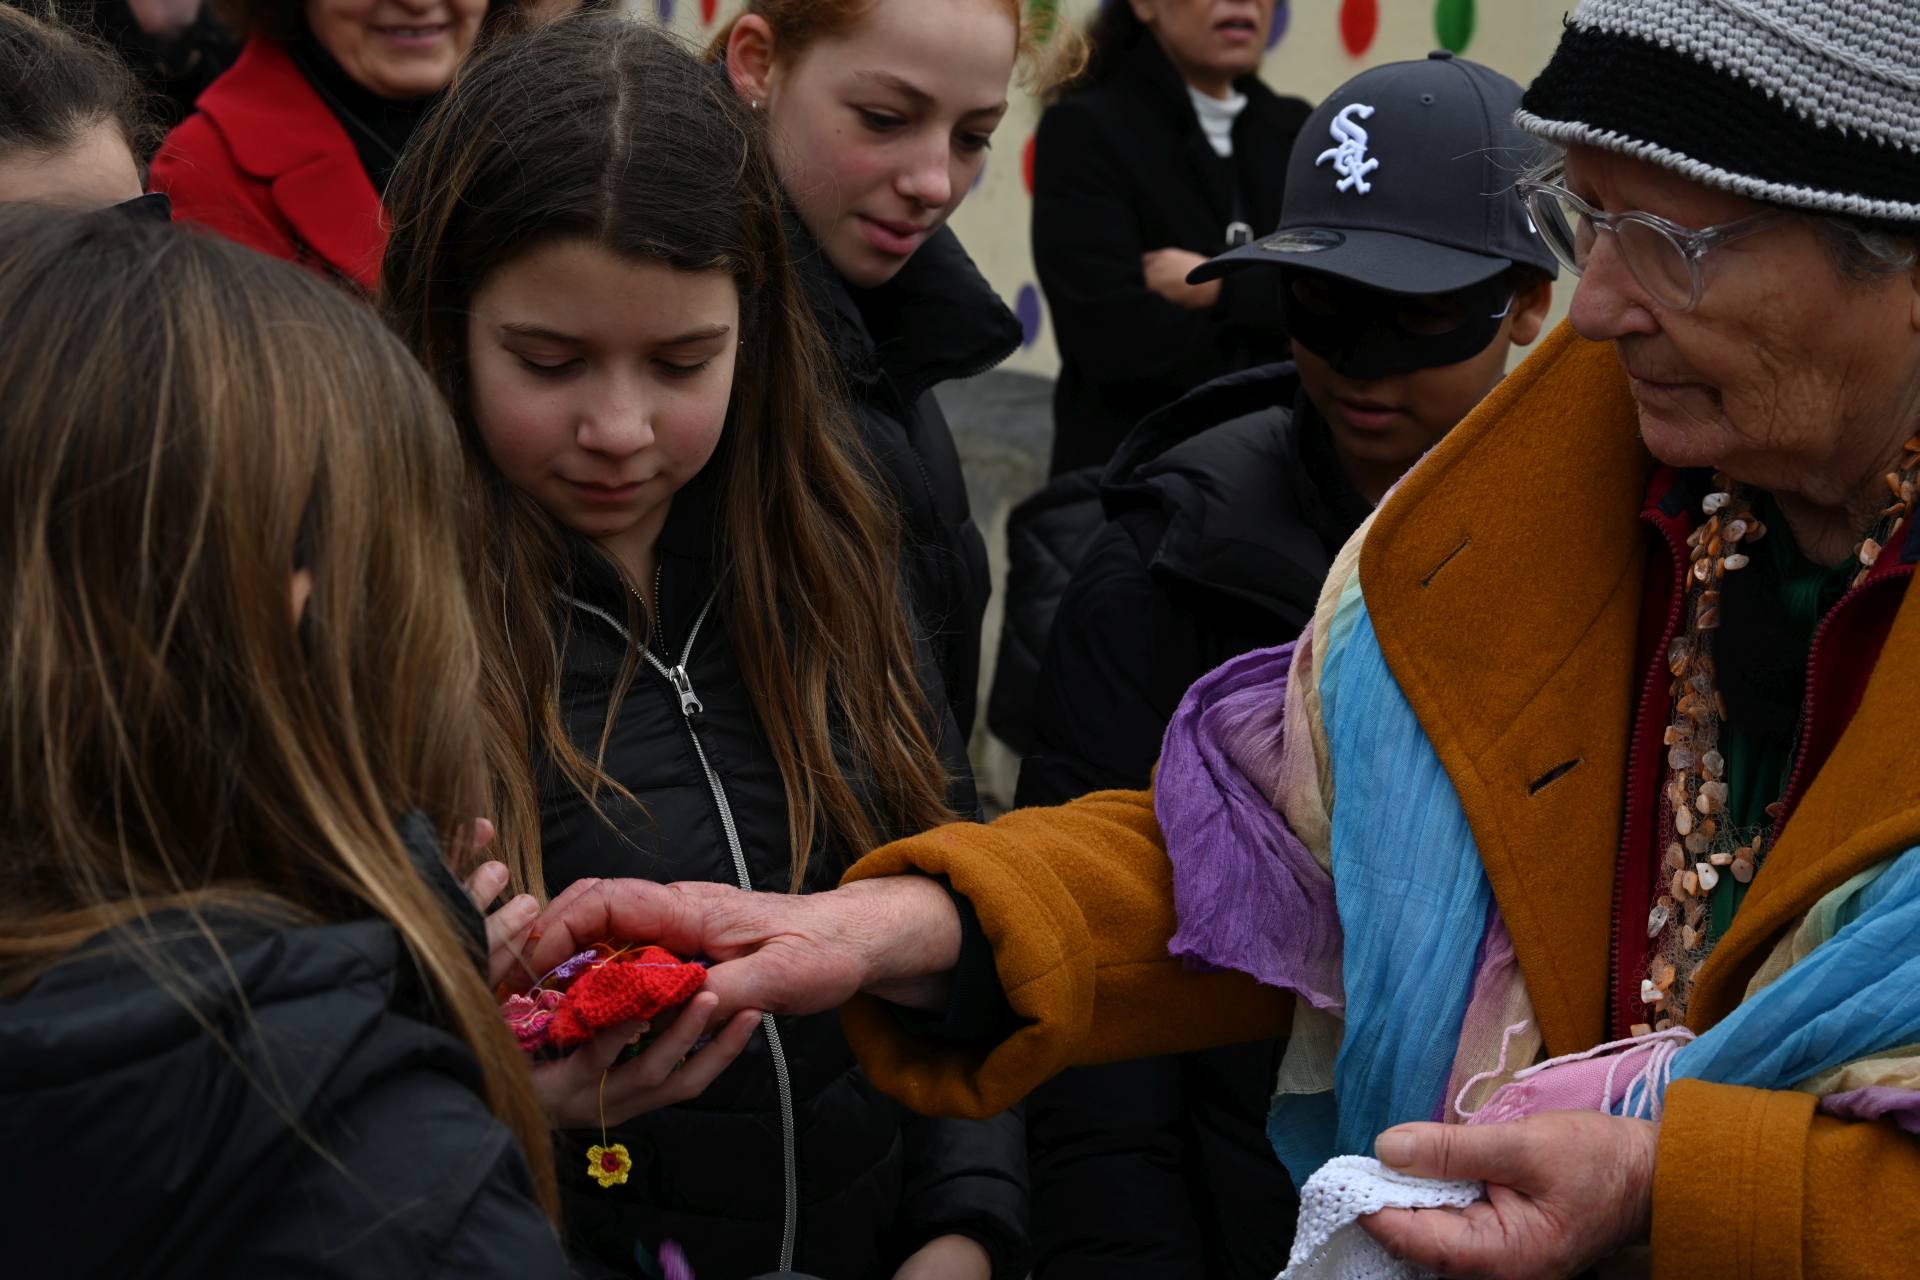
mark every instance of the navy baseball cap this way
{"type": "Point", "coordinates": [1402, 180]}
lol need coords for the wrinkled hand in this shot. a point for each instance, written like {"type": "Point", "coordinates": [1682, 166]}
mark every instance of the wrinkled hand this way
{"type": "Point", "coordinates": [947, 1258]}
{"type": "Point", "coordinates": [570, 1089]}
{"type": "Point", "coordinates": [1166, 274]}
{"type": "Point", "coordinates": [785, 954]}
{"type": "Point", "coordinates": [1564, 1190]}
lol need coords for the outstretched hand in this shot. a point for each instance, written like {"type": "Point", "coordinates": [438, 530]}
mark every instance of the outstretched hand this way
{"type": "Point", "coordinates": [775, 952]}
{"type": "Point", "coordinates": [1564, 1190]}
{"type": "Point", "coordinates": [585, 1088]}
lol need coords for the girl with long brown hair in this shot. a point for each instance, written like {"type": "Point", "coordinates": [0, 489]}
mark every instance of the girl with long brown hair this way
{"type": "Point", "coordinates": [243, 1023]}
{"type": "Point", "coordinates": [698, 665]}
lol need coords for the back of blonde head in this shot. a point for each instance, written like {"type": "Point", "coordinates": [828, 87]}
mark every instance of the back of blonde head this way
{"type": "Point", "coordinates": [183, 425]}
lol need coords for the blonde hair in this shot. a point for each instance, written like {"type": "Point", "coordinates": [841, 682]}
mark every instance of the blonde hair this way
{"type": "Point", "coordinates": [183, 424]}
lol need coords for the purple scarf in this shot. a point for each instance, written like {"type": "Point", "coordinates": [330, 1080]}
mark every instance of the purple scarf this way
{"type": "Point", "coordinates": [1249, 895]}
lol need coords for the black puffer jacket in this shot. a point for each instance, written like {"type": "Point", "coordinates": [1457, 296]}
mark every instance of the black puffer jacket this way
{"type": "Point", "coordinates": [1225, 512]}
{"type": "Point", "coordinates": [937, 320]}
{"type": "Point", "coordinates": [871, 1182]}
{"type": "Point", "coordinates": [1122, 168]}
{"type": "Point", "coordinates": [135, 1145]}
{"type": "Point", "coordinates": [1048, 535]}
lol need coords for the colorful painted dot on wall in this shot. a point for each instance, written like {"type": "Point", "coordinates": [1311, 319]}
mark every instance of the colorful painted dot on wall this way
{"type": "Point", "coordinates": [1453, 23]}
{"type": "Point", "coordinates": [1044, 16]}
{"type": "Point", "coordinates": [1359, 22]}
{"type": "Point", "coordinates": [1027, 308]}
{"type": "Point", "coordinates": [666, 10]}
{"type": "Point", "coordinates": [1026, 161]}
{"type": "Point", "coordinates": [707, 9]}
{"type": "Point", "coordinates": [1282, 14]}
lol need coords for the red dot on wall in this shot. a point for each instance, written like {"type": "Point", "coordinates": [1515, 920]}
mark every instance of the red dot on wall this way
{"type": "Point", "coordinates": [1026, 161]}
{"type": "Point", "coordinates": [1359, 22]}
{"type": "Point", "coordinates": [707, 10]}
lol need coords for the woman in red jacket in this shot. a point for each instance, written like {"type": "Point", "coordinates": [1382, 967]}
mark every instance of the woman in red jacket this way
{"type": "Point", "coordinates": [289, 150]}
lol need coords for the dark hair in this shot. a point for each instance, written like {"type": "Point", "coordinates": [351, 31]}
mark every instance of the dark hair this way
{"type": "Point", "coordinates": [1111, 32]}
{"type": "Point", "coordinates": [1524, 277]}
{"type": "Point", "coordinates": [600, 129]}
{"type": "Point", "coordinates": [56, 83]}
{"type": "Point", "coordinates": [280, 20]}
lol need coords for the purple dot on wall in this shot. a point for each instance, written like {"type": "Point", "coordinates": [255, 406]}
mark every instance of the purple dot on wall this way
{"type": "Point", "coordinates": [666, 10]}
{"type": "Point", "coordinates": [1281, 15]}
{"type": "Point", "coordinates": [1027, 307]}
{"type": "Point", "coordinates": [979, 177]}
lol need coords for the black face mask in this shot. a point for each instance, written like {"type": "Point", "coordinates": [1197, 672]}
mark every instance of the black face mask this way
{"type": "Point", "coordinates": [1365, 334]}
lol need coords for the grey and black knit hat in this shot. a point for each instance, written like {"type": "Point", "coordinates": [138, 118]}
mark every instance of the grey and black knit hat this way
{"type": "Point", "coordinates": [1813, 104]}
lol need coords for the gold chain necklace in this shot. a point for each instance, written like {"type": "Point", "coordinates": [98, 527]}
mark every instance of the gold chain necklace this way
{"type": "Point", "coordinates": [1703, 846]}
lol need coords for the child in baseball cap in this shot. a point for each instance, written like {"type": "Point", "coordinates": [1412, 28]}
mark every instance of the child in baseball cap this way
{"type": "Point", "coordinates": [1407, 265]}
{"type": "Point", "coordinates": [1409, 272]}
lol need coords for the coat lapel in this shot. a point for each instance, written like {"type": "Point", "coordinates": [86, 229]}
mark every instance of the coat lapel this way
{"type": "Point", "coordinates": [280, 132]}
{"type": "Point", "coordinates": [1504, 581]}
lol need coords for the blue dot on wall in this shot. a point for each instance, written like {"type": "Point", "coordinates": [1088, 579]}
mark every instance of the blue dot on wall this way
{"type": "Point", "coordinates": [1281, 15]}
{"type": "Point", "coordinates": [979, 176]}
{"type": "Point", "coordinates": [1027, 307]}
{"type": "Point", "coordinates": [666, 10]}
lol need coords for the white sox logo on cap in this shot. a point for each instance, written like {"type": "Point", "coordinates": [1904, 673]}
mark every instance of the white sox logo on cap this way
{"type": "Point", "coordinates": [1350, 158]}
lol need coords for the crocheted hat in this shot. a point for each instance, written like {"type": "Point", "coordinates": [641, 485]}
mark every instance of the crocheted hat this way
{"type": "Point", "coordinates": [1813, 104]}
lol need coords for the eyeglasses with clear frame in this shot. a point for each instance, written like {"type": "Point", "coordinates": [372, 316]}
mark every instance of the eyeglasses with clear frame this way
{"type": "Point", "coordinates": [1665, 257]}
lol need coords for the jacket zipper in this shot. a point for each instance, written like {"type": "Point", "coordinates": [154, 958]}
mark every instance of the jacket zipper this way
{"type": "Point", "coordinates": [690, 707]}
{"type": "Point", "coordinates": [1620, 1014]}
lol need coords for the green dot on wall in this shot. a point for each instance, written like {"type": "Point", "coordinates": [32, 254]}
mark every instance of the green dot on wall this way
{"type": "Point", "coordinates": [1453, 21]}
{"type": "Point", "coordinates": [1045, 18]}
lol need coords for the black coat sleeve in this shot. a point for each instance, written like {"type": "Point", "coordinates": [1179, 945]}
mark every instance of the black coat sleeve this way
{"type": "Point", "coordinates": [969, 1178]}
{"type": "Point", "coordinates": [1098, 718]}
{"type": "Point", "coordinates": [1087, 246]}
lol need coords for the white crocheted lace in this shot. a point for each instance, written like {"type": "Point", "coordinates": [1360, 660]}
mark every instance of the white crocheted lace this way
{"type": "Point", "coordinates": [1329, 1243]}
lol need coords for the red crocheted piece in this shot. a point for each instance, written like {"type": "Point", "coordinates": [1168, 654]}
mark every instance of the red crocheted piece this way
{"type": "Point", "coordinates": [635, 988]}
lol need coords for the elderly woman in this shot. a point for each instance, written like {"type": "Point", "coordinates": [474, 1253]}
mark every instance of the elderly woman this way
{"type": "Point", "coordinates": [1600, 731]}
{"type": "Point", "coordinates": [289, 150]}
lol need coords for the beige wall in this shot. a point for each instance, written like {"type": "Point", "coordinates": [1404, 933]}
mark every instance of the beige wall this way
{"type": "Point", "coordinates": [1310, 60]}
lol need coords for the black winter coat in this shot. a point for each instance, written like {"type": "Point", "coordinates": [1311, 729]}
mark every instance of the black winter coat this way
{"type": "Point", "coordinates": [135, 1145]}
{"type": "Point", "coordinates": [937, 320]}
{"type": "Point", "coordinates": [1225, 512]}
{"type": "Point", "coordinates": [869, 1182]}
{"type": "Point", "coordinates": [1048, 535]}
{"type": "Point", "coordinates": [1122, 168]}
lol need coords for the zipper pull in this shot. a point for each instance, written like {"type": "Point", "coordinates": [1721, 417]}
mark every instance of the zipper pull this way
{"type": "Point", "coordinates": [683, 685]}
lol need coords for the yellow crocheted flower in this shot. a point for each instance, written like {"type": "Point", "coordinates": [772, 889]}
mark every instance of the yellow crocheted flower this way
{"type": "Point", "coordinates": [609, 1165]}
